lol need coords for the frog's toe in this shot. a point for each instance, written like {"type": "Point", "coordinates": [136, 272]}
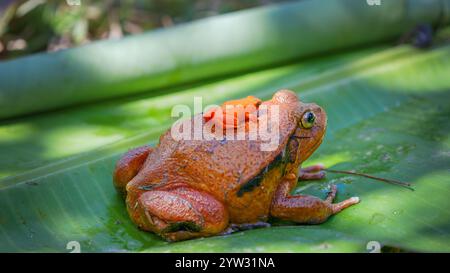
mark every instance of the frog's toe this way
{"type": "Point", "coordinates": [344, 204]}
{"type": "Point", "coordinates": [341, 205]}
{"type": "Point", "coordinates": [315, 172]}
{"type": "Point", "coordinates": [331, 194]}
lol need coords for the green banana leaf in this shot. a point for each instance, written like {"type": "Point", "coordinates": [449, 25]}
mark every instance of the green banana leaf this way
{"type": "Point", "coordinates": [388, 116]}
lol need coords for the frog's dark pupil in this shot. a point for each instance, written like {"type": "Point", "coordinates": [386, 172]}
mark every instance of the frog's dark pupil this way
{"type": "Point", "coordinates": [310, 118]}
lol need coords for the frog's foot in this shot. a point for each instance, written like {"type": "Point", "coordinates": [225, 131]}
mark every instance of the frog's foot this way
{"type": "Point", "coordinates": [182, 213]}
{"type": "Point", "coordinates": [341, 205]}
{"type": "Point", "coordinates": [303, 208]}
{"type": "Point", "coordinates": [315, 172]}
{"type": "Point", "coordinates": [241, 227]}
{"type": "Point", "coordinates": [128, 166]}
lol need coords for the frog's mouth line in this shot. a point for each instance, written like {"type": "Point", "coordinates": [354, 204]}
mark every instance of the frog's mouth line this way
{"type": "Point", "coordinates": [301, 137]}
{"type": "Point", "coordinates": [313, 147]}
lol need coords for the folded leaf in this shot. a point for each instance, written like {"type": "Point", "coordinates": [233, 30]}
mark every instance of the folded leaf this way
{"type": "Point", "coordinates": [212, 47]}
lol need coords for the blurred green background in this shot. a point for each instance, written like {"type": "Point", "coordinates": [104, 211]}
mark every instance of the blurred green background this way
{"type": "Point", "coordinates": [28, 26]}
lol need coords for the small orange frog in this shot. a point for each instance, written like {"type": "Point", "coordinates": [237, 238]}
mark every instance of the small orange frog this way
{"type": "Point", "coordinates": [191, 188]}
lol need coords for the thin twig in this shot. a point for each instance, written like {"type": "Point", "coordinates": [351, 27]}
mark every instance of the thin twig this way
{"type": "Point", "coordinates": [391, 181]}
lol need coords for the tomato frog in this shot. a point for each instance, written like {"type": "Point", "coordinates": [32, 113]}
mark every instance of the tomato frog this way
{"type": "Point", "coordinates": [184, 189]}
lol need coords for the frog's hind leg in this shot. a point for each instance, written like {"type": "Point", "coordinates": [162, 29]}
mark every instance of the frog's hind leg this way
{"type": "Point", "coordinates": [315, 172]}
{"type": "Point", "coordinates": [182, 213]}
{"type": "Point", "coordinates": [128, 166]}
{"type": "Point", "coordinates": [303, 208]}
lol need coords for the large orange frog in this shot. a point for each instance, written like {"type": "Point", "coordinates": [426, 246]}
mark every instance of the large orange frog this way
{"type": "Point", "coordinates": [184, 189]}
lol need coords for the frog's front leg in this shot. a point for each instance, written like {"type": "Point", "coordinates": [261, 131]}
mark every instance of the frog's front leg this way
{"type": "Point", "coordinates": [181, 213]}
{"type": "Point", "coordinates": [315, 172]}
{"type": "Point", "coordinates": [128, 166]}
{"type": "Point", "coordinates": [303, 208]}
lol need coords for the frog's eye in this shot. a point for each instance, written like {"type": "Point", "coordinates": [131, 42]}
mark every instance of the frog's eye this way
{"type": "Point", "coordinates": [308, 120]}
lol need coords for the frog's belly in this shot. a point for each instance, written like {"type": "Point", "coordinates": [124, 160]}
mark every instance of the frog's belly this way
{"type": "Point", "coordinates": [251, 203]}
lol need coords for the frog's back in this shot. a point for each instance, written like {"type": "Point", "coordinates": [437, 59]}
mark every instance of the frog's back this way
{"type": "Point", "coordinates": [225, 168]}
